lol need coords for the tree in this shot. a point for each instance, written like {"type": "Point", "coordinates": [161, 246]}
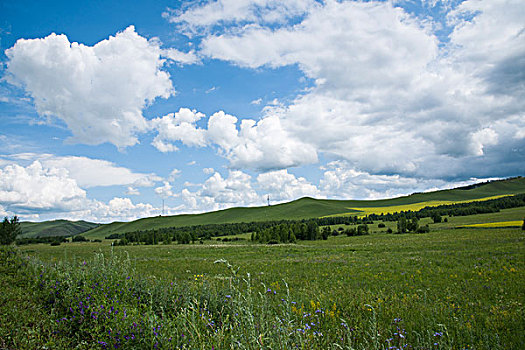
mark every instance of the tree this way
{"type": "Point", "coordinates": [9, 230]}
{"type": "Point", "coordinates": [436, 218]}
{"type": "Point", "coordinates": [325, 232]}
{"type": "Point", "coordinates": [523, 226]}
{"type": "Point", "coordinates": [402, 225]}
{"type": "Point", "coordinates": [362, 230]}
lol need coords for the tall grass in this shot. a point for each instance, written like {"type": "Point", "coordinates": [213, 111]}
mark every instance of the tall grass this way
{"type": "Point", "coordinates": [104, 303]}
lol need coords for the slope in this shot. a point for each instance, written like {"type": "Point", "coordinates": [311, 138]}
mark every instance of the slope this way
{"type": "Point", "coordinates": [305, 208]}
{"type": "Point", "coordinates": [55, 228]}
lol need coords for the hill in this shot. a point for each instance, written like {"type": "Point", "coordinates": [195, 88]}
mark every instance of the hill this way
{"type": "Point", "coordinates": [305, 208]}
{"type": "Point", "coordinates": [55, 228]}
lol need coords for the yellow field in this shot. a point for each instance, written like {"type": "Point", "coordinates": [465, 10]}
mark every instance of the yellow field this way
{"type": "Point", "coordinates": [413, 206]}
{"type": "Point", "coordinates": [496, 224]}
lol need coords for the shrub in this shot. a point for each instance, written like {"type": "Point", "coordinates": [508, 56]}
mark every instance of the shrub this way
{"type": "Point", "coordinates": [9, 230]}
{"type": "Point", "coordinates": [79, 238]}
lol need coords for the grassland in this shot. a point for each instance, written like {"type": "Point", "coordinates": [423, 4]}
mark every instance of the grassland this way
{"type": "Point", "coordinates": [312, 208]}
{"type": "Point", "coordinates": [55, 228]}
{"type": "Point", "coordinates": [448, 289]}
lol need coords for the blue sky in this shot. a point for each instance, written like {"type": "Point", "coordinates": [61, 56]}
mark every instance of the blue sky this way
{"type": "Point", "coordinates": [111, 108]}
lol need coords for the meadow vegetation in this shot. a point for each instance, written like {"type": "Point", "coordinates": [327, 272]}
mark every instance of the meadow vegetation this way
{"type": "Point", "coordinates": [446, 289]}
{"type": "Point", "coordinates": [452, 277]}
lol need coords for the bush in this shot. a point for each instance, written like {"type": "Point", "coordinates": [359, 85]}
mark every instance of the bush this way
{"type": "Point", "coordinates": [9, 230]}
{"type": "Point", "coordinates": [381, 225]}
{"type": "Point", "coordinates": [362, 230]}
{"type": "Point", "coordinates": [423, 229]}
{"type": "Point", "coordinates": [79, 238]}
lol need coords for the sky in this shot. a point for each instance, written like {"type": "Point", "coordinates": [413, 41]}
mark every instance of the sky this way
{"type": "Point", "coordinates": [114, 111]}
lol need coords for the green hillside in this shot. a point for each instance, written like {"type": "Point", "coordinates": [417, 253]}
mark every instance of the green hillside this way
{"type": "Point", "coordinates": [309, 208]}
{"type": "Point", "coordinates": [55, 228]}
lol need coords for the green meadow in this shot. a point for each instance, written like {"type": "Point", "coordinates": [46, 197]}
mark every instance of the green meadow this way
{"type": "Point", "coordinates": [452, 288]}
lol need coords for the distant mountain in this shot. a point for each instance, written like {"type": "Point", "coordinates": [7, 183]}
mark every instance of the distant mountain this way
{"type": "Point", "coordinates": [305, 208]}
{"type": "Point", "coordinates": [55, 228]}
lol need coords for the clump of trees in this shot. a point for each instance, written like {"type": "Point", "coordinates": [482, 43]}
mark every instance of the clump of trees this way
{"type": "Point", "coordinates": [410, 225]}
{"type": "Point", "coordinates": [53, 240]}
{"type": "Point", "coordinates": [9, 229]}
{"type": "Point", "coordinates": [290, 233]}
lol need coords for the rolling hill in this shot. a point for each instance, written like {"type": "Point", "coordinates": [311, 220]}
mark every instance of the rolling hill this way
{"type": "Point", "coordinates": [309, 208]}
{"type": "Point", "coordinates": [55, 228]}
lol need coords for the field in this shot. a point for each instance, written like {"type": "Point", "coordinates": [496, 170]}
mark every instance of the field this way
{"type": "Point", "coordinates": [363, 211]}
{"type": "Point", "coordinates": [447, 289]}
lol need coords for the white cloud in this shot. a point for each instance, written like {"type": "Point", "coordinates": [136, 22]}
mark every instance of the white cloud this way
{"type": "Point", "coordinates": [482, 138]}
{"type": "Point", "coordinates": [178, 126]}
{"type": "Point", "coordinates": [219, 193]}
{"type": "Point", "coordinates": [38, 192]}
{"type": "Point", "coordinates": [38, 189]}
{"type": "Point", "coordinates": [180, 57]}
{"type": "Point", "coordinates": [388, 96]}
{"type": "Point", "coordinates": [341, 181]}
{"type": "Point", "coordinates": [198, 18]}
{"type": "Point", "coordinates": [208, 171]}
{"type": "Point", "coordinates": [117, 209]}
{"type": "Point", "coordinates": [87, 172]}
{"type": "Point", "coordinates": [131, 191]}
{"type": "Point", "coordinates": [96, 172]}
{"type": "Point", "coordinates": [258, 145]}
{"type": "Point", "coordinates": [175, 173]}
{"type": "Point", "coordinates": [165, 190]}
{"type": "Point", "coordinates": [283, 186]}
{"type": "Point", "coordinates": [98, 91]}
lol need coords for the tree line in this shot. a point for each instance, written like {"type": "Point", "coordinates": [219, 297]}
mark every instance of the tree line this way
{"type": "Point", "coordinates": [458, 209]}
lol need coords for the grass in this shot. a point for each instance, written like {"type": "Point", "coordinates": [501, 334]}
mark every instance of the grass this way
{"type": "Point", "coordinates": [55, 228]}
{"type": "Point", "coordinates": [456, 288]}
{"type": "Point", "coordinates": [312, 208]}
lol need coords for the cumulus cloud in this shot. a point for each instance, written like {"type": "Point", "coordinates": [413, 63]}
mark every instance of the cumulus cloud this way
{"type": "Point", "coordinates": [219, 193]}
{"type": "Point", "coordinates": [260, 145]}
{"type": "Point", "coordinates": [98, 91]}
{"type": "Point", "coordinates": [38, 192]}
{"type": "Point", "coordinates": [165, 190]}
{"type": "Point", "coordinates": [36, 189]}
{"type": "Point", "coordinates": [87, 172]}
{"type": "Point", "coordinates": [389, 96]}
{"type": "Point", "coordinates": [341, 181]}
{"type": "Point", "coordinates": [282, 186]}
{"type": "Point", "coordinates": [178, 126]}
{"type": "Point", "coordinates": [117, 209]}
